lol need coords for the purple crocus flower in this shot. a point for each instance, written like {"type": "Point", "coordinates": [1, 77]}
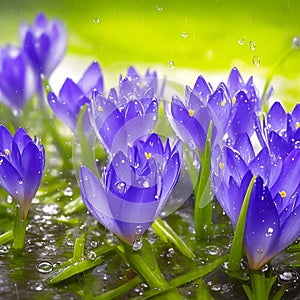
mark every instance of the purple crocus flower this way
{"type": "Point", "coordinates": [135, 86]}
{"type": "Point", "coordinates": [117, 124]}
{"type": "Point", "coordinates": [17, 83]}
{"type": "Point", "coordinates": [272, 222]}
{"type": "Point", "coordinates": [134, 188]}
{"type": "Point", "coordinates": [280, 131]}
{"type": "Point", "coordinates": [73, 96]}
{"type": "Point", "coordinates": [22, 162]}
{"type": "Point", "coordinates": [44, 42]}
{"type": "Point", "coordinates": [230, 107]}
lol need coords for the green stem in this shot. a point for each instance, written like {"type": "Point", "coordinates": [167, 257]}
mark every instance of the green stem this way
{"type": "Point", "coordinates": [260, 286]}
{"type": "Point", "coordinates": [163, 230]}
{"type": "Point", "coordinates": [19, 228]}
{"type": "Point", "coordinates": [270, 76]}
{"type": "Point", "coordinates": [203, 205]}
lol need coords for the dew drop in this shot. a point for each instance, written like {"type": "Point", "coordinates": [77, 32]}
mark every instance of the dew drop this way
{"type": "Point", "coordinates": [17, 112]}
{"type": "Point", "coordinates": [4, 249]}
{"type": "Point", "coordinates": [137, 245]}
{"type": "Point", "coordinates": [20, 181]}
{"type": "Point", "coordinates": [184, 34]}
{"type": "Point", "coordinates": [44, 267]}
{"type": "Point", "coordinates": [288, 276]}
{"type": "Point", "coordinates": [138, 230]}
{"type": "Point", "coordinates": [146, 184]}
{"type": "Point", "coordinates": [171, 64]}
{"type": "Point", "coordinates": [68, 192]}
{"type": "Point", "coordinates": [92, 255]}
{"type": "Point", "coordinates": [241, 41]}
{"type": "Point", "coordinates": [256, 60]}
{"type": "Point", "coordinates": [252, 46]}
{"type": "Point", "coordinates": [269, 231]}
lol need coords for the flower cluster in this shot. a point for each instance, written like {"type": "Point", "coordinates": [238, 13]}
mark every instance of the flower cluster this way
{"type": "Point", "coordinates": [42, 47]}
{"type": "Point", "coordinates": [142, 168]}
{"type": "Point", "coordinates": [272, 221]}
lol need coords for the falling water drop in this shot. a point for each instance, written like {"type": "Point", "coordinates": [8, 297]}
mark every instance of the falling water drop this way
{"type": "Point", "coordinates": [96, 20]}
{"type": "Point", "coordinates": [171, 64]}
{"type": "Point", "coordinates": [296, 42]}
{"type": "Point", "coordinates": [252, 46]}
{"type": "Point", "coordinates": [159, 8]}
{"type": "Point", "coordinates": [44, 267]}
{"type": "Point", "coordinates": [256, 60]}
{"type": "Point", "coordinates": [241, 41]}
{"type": "Point", "coordinates": [184, 34]}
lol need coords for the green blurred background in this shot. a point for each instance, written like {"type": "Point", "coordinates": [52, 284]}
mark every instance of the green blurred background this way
{"type": "Point", "coordinates": [200, 37]}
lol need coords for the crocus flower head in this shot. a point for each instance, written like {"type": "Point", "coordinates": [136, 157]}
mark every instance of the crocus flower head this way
{"type": "Point", "coordinates": [135, 86]}
{"type": "Point", "coordinates": [280, 130]}
{"type": "Point", "coordinates": [22, 162]}
{"type": "Point", "coordinates": [229, 108]}
{"type": "Point", "coordinates": [17, 83]}
{"type": "Point", "coordinates": [273, 221]}
{"type": "Point", "coordinates": [73, 96]}
{"type": "Point", "coordinates": [44, 42]}
{"type": "Point", "coordinates": [134, 188]}
{"type": "Point", "coordinates": [118, 126]}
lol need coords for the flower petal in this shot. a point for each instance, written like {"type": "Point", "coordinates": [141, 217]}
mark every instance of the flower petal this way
{"type": "Point", "coordinates": [262, 226]}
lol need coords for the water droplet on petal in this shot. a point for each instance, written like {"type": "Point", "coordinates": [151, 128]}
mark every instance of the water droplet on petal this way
{"type": "Point", "coordinates": [17, 112]}
{"type": "Point", "coordinates": [171, 64]}
{"type": "Point", "coordinates": [44, 267]}
{"type": "Point", "coordinates": [138, 230]}
{"type": "Point", "coordinates": [256, 60]}
{"type": "Point", "coordinates": [252, 46]}
{"type": "Point", "coordinates": [269, 231]}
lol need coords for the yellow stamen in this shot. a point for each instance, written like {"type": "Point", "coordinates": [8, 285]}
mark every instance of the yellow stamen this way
{"type": "Point", "coordinates": [191, 112]}
{"type": "Point", "coordinates": [233, 100]}
{"type": "Point", "coordinates": [297, 125]}
{"type": "Point", "coordinates": [148, 155]}
{"type": "Point", "coordinates": [221, 165]}
{"type": "Point", "coordinates": [100, 108]}
{"type": "Point", "coordinates": [282, 194]}
{"type": "Point", "coordinates": [7, 151]}
{"type": "Point", "coordinates": [119, 187]}
{"type": "Point", "coordinates": [223, 103]}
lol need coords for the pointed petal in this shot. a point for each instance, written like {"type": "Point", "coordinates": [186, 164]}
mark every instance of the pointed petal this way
{"type": "Point", "coordinates": [262, 226]}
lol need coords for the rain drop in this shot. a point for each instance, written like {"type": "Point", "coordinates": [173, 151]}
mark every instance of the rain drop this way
{"type": "Point", "coordinates": [159, 8]}
{"type": "Point", "coordinates": [17, 112]}
{"type": "Point", "coordinates": [68, 192]}
{"type": "Point", "coordinates": [184, 34]}
{"type": "Point", "coordinates": [241, 41]}
{"type": "Point", "coordinates": [44, 267]}
{"type": "Point", "coordinates": [146, 184]}
{"type": "Point", "coordinates": [269, 231]}
{"type": "Point", "coordinates": [288, 276]}
{"type": "Point", "coordinates": [256, 60]}
{"type": "Point", "coordinates": [96, 20]}
{"type": "Point", "coordinates": [171, 64]}
{"type": "Point", "coordinates": [296, 42]}
{"type": "Point", "coordinates": [138, 230]}
{"type": "Point", "coordinates": [252, 46]}
{"type": "Point", "coordinates": [137, 245]}
{"type": "Point", "coordinates": [92, 255]}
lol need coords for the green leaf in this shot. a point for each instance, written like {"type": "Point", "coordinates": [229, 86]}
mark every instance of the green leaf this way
{"type": "Point", "coordinates": [145, 264]}
{"type": "Point", "coordinates": [238, 238]}
{"type": "Point", "coordinates": [165, 232]}
{"type": "Point", "coordinates": [6, 237]}
{"type": "Point", "coordinates": [203, 206]}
